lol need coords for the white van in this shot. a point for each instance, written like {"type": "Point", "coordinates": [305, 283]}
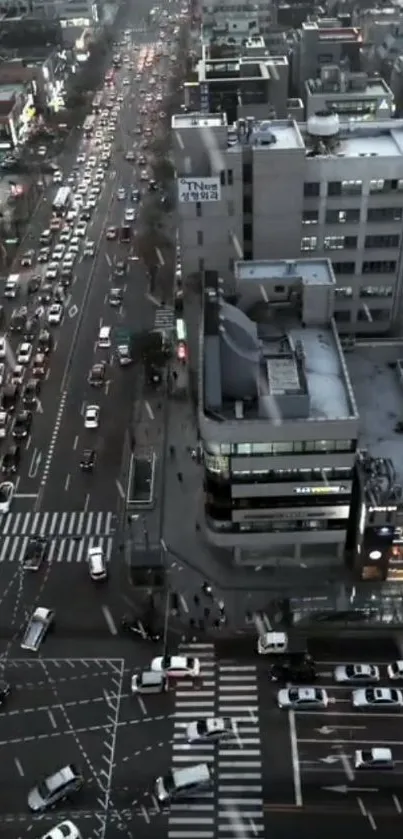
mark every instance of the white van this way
{"type": "Point", "coordinates": [182, 782]}
{"type": "Point", "coordinates": [11, 286]}
{"type": "Point", "coordinates": [149, 682]}
{"type": "Point", "coordinates": [272, 643]}
{"type": "Point", "coordinates": [104, 337]}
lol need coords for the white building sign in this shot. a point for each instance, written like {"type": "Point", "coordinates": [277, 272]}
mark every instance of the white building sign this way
{"type": "Point", "coordinates": [198, 190]}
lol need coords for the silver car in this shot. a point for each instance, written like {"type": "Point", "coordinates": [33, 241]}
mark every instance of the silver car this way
{"type": "Point", "coordinates": [55, 788]}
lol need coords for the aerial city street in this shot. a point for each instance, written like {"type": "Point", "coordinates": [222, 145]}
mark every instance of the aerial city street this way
{"type": "Point", "coordinates": [181, 708]}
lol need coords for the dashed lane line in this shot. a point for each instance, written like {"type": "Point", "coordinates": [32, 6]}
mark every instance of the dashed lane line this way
{"type": "Point", "coordinates": [15, 741]}
{"type": "Point", "coordinates": [73, 703]}
{"type": "Point", "coordinates": [68, 679]}
{"type": "Point", "coordinates": [23, 818]}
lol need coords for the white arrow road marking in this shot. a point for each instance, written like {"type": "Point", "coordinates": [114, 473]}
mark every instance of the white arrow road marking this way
{"type": "Point", "coordinates": [73, 311]}
{"type": "Point", "coordinates": [326, 729]}
{"type": "Point", "coordinates": [34, 465]}
{"type": "Point", "coordinates": [39, 408]}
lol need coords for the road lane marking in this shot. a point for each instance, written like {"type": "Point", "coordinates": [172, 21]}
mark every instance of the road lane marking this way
{"type": "Point", "coordinates": [19, 767]}
{"type": "Point", "coordinates": [397, 804]}
{"type": "Point", "coordinates": [52, 719]}
{"type": "Point", "coordinates": [145, 814]}
{"type": "Point", "coordinates": [142, 705]}
{"type": "Point", "coordinates": [120, 489]}
{"type": "Point", "coordinates": [149, 410]}
{"type": "Point", "coordinates": [295, 759]}
{"type": "Point", "coordinates": [75, 444]}
{"type": "Point", "coordinates": [67, 483]}
{"type": "Point", "coordinates": [109, 620]}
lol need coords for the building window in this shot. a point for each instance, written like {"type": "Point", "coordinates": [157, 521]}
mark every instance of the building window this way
{"type": "Point", "coordinates": [339, 243]}
{"type": "Point", "coordinates": [222, 177]}
{"type": "Point", "coordinates": [248, 254]}
{"type": "Point", "coordinates": [377, 185]}
{"type": "Point", "coordinates": [292, 447]}
{"type": "Point", "coordinates": [382, 241]}
{"type": "Point", "coordinates": [247, 232]}
{"type": "Point", "coordinates": [398, 184]}
{"type": "Point", "coordinates": [200, 238]}
{"type": "Point", "coordinates": [342, 216]}
{"type": "Point", "coordinates": [310, 217]}
{"type": "Point", "coordinates": [231, 208]}
{"type": "Point", "coordinates": [344, 188]}
{"type": "Point", "coordinates": [342, 316]}
{"type": "Point", "coordinates": [230, 177]}
{"type": "Point", "coordinates": [247, 204]}
{"type": "Point", "coordinates": [343, 267]}
{"type": "Point", "coordinates": [344, 292]}
{"type": "Point", "coordinates": [231, 263]}
{"type": "Point", "coordinates": [198, 209]}
{"type": "Point", "coordinates": [312, 189]}
{"type": "Point", "coordinates": [309, 243]}
{"type": "Point", "coordinates": [247, 173]}
{"type": "Point", "coordinates": [382, 315]}
{"type": "Point", "coordinates": [381, 266]}
{"type": "Point", "coordinates": [201, 263]}
{"type": "Point", "coordinates": [384, 214]}
{"type": "Point", "coordinates": [376, 291]}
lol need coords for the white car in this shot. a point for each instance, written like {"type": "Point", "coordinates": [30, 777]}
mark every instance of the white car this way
{"type": "Point", "coordinates": [144, 175]}
{"type": "Point", "coordinates": [2, 373]}
{"type": "Point", "coordinates": [375, 758]}
{"type": "Point", "coordinates": [81, 229]}
{"type": "Point", "coordinates": [3, 424]}
{"type": "Point", "coordinates": [130, 214]}
{"type": "Point", "coordinates": [81, 158]}
{"type": "Point", "coordinates": [64, 830]}
{"type": "Point", "coordinates": [92, 161]}
{"type": "Point", "coordinates": [96, 564]}
{"type": "Point", "coordinates": [24, 353]}
{"type": "Point", "coordinates": [52, 271]}
{"type": "Point", "coordinates": [3, 347]}
{"type": "Point", "coordinates": [121, 194]}
{"type": "Point", "coordinates": [367, 674]}
{"type": "Point", "coordinates": [65, 235]}
{"type": "Point", "coordinates": [55, 314]}
{"type": "Point", "coordinates": [395, 670]}
{"type": "Point", "coordinates": [211, 730]}
{"type": "Point", "coordinates": [176, 666]}
{"type": "Point", "coordinates": [83, 188]}
{"type": "Point", "coordinates": [302, 698]}
{"type": "Point", "coordinates": [381, 698]}
{"type": "Point", "coordinates": [91, 417]}
{"type": "Point", "coordinates": [89, 248]}
{"type": "Point", "coordinates": [58, 253]}
{"type": "Point", "coordinates": [7, 490]}
{"type": "Point", "coordinates": [74, 245]}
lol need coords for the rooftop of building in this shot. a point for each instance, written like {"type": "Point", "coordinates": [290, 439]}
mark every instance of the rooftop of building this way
{"type": "Point", "coordinates": [329, 29]}
{"type": "Point", "coordinates": [261, 362]}
{"type": "Point", "coordinates": [243, 67]}
{"type": "Point", "coordinates": [377, 381]}
{"type": "Point", "coordinates": [348, 85]}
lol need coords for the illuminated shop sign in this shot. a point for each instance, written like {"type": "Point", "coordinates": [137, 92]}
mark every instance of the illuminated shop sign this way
{"type": "Point", "coordinates": [320, 490]}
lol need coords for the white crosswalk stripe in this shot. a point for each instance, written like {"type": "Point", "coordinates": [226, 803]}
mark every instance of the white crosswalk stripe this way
{"type": "Point", "coordinates": [240, 784]}
{"type": "Point", "coordinates": [57, 524]}
{"type": "Point", "coordinates": [234, 807]}
{"type": "Point", "coordinates": [61, 549]}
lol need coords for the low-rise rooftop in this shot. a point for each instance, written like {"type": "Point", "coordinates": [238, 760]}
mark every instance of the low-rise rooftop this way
{"type": "Point", "coordinates": [261, 361]}
{"type": "Point", "coordinates": [377, 381]}
{"type": "Point", "coordinates": [198, 120]}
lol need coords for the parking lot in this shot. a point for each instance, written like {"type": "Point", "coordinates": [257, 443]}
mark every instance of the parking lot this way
{"type": "Point", "coordinates": [81, 711]}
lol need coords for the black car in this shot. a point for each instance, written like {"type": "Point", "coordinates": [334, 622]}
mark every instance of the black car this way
{"type": "Point", "coordinates": [22, 425]}
{"type": "Point", "coordinates": [46, 293]}
{"type": "Point", "coordinates": [45, 342]}
{"type": "Point", "coordinates": [86, 214]}
{"type": "Point", "coordinates": [297, 668]}
{"type": "Point", "coordinates": [88, 459]}
{"type": "Point", "coordinates": [115, 297]}
{"type": "Point", "coordinates": [30, 393]}
{"type": "Point", "coordinates": [18, 319]}
{"type": "Point", "coordinates": [35, 553]}
{"type": "Point", "coordinates": [34, 284]}
{"type": "Point", "coordinates": [11, 460]}
{"type": "Point", "coordinates": [31, 328]}
{"type": "Point", "coordinates": [5, 690]}
{"type": "Point", "coordinates": [9, 397]}
{"type": "Point", "coordinates": [96, 377]}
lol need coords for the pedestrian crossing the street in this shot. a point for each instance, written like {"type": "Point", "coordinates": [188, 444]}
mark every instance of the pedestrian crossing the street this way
{"type": "Point", "coordinates": [234, 807]}
{"type": "Point", "coordinates": [65, 549]}
{"type": "Point", "coordinates": [57, 524]}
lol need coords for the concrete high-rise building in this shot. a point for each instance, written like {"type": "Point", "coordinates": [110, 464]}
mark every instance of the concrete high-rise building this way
{"type": "Point", "coordinates": [278, 190]}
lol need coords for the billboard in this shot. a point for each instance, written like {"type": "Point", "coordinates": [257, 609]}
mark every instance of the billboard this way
{"type": "Point", "coordinates": [198, 190]}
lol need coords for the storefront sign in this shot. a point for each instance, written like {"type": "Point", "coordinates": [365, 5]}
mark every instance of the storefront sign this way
{"type": "Point", "coordinates": [198, 190]}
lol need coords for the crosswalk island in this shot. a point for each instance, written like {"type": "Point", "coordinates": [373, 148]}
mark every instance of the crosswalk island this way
{"type": "Point", "coordinates": [70, 535]}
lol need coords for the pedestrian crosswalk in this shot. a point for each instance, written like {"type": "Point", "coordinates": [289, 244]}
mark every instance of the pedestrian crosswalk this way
{"type": "Point", "coordinates": [65, 549]}
{"type": "Point", "coordinates": [234, 807]}
{"type": "Point", "coordinates": [164, 318]}
{"type": "Point", "coordinates": [57, 524]}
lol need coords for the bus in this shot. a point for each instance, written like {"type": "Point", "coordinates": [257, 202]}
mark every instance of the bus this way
{"type": "Point", "coordinates": [97, 101]}
{"type": "Point", "coordinates": [89, 125]}
{"type": "Point", "coordinates": [62, 201]}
